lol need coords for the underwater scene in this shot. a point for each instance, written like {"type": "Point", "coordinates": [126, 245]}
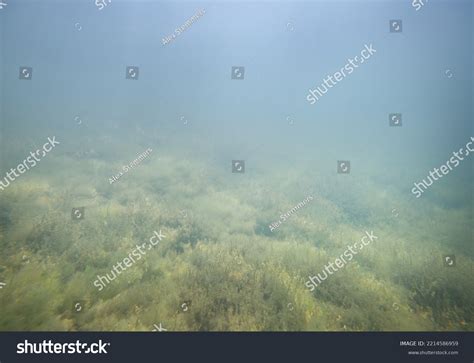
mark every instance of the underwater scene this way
{"type": "Point", "coordinates": [236, 166]}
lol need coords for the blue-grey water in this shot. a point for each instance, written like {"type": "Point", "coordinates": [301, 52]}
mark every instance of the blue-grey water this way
{"type": "Point", "coordinates": [219, 256]}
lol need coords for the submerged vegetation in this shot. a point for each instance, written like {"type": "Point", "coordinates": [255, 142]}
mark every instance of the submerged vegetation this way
{"type": "Point", "coordinates": [220, 267]}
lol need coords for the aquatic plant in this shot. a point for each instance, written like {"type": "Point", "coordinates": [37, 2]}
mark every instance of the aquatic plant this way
{"type": "Point", "coordinates": [220, 267]}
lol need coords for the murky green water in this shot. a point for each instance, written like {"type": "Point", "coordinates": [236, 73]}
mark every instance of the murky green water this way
{"type": "Point", "coordinates": [216, 163]}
